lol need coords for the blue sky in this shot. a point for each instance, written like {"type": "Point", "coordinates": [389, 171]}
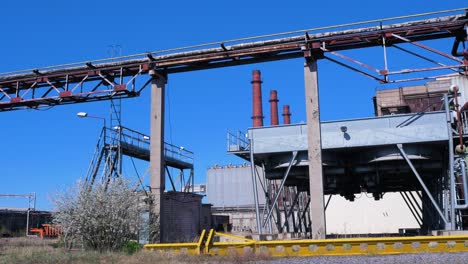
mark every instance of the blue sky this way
{"type": "Point", "coordinates": [44, 151]}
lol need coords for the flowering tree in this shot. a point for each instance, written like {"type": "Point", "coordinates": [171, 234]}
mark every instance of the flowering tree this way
{"type": "Point", "coordinates": [102, 218]}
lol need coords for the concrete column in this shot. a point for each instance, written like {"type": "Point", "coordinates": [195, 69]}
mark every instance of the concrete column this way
{"type": "Point", "coordinates": [317, 209]}
{"type": "Point", "coordinates": [157, 174]}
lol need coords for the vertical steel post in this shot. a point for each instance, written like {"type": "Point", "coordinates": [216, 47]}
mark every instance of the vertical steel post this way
{"type": "Point", "coordinates": [157, 175]}
{"type": "Point", "coordinates": [317, 209]}
{"type": "Point", "coordinates": [283, 181]}
{"type": "Point", "coordinates": [254, 184]}
{"type": "Point", "coordinates": [27, 222]}
{"type": "Point", "coordinates": [446, 203]}
{"type": "Point", "coordinates": [451, 158]}
{"type": "Point", "coordinates": [267, 196]}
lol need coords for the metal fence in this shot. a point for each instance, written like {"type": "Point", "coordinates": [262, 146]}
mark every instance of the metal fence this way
{"type": "Point", "coordinates": [237, 141]}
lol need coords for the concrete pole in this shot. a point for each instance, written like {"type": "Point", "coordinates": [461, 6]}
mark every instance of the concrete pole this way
{"type": "Point", "coordinates": [317, 209]}
{"type": "Point", "coordinates": [157, 175]}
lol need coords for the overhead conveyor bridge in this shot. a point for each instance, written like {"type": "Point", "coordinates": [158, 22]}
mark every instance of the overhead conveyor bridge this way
{"type": "Point", "coordinates": [117, 77]}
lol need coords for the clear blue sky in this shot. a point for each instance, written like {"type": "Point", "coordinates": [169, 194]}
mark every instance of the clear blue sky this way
{"type": "Point", "coordinates": [44, 151]}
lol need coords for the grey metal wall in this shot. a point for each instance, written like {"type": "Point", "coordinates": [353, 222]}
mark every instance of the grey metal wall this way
{"type": "Point", "coordinates": [231, 186]}
{"type": "Point", "coordinates": [365, 132]}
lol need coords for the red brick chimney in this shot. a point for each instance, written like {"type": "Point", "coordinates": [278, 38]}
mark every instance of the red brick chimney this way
{"type": "Point", "coordinates": [257, 99]}
{"type": "Point", "coordinates": [286, 115]}
{"type": "Point", "coordinates": [274, 108]}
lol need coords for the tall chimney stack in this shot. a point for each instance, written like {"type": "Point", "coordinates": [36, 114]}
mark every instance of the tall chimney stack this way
{"type": "Point", "coordinates": [274, 108]}
{"type": "Point", "coordinates": [286, 115]}
{"type": "Point", "coordinates": [257, 99]}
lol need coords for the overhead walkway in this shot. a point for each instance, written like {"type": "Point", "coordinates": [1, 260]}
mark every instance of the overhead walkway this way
{"type": "Point", "coordinates": [119, 141]}
{"type": "Point", "coordinates": [137, 145]}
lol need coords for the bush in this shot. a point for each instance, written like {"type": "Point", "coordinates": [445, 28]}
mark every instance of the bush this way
{"type": "Point", "coordinates": [103, 218]}
{"type": "Point", "coordinates": [131, 247]}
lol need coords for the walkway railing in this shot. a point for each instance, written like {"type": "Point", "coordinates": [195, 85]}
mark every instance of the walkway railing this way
{"type": "Point", "coordinates": [237, 141]}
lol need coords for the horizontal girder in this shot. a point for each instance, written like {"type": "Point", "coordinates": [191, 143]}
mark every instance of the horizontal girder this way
{"type": "Point", "coordinates": [107, 79]}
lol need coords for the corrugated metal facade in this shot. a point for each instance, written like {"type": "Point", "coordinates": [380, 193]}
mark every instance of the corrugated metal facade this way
{"type": "Point", "coordinates": [231, 186]}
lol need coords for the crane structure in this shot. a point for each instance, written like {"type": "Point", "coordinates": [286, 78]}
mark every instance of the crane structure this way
{"type": "Point", "coordinates": [114, 78]}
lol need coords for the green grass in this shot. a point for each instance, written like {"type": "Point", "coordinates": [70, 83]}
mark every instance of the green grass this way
{"type": "Point", "coordinates": [35, 250]}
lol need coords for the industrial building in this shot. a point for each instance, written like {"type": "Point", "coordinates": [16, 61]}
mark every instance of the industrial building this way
{"type": "Point", "coordinates": [411, 99]}
{"type": "Point", "coordinates": [386, 213]}
{"type": "Point", "coordinates": [403, 151]}
{"type": "Point", "coordinates": [419, 155]}
{"type": "Point", "coordinates": [16, 221]}
{"type": "Point", "coordinates": [228, 191]}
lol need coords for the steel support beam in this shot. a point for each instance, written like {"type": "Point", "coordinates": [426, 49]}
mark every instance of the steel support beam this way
{"type": "Point", "coordinates": [317, 208]}
{"type": "Point", "coordinates": [254, 186]}
{"type": "Point", "coordinates": [451, 175]}
{"type": "Point", "coordinates": [280, 189]}
{"type": "Point", "coordinates": [328, 201]}
{"type": "Point", "coordinates": [157, 175]}
{"type": "Point", "coordinates": [423, 185]}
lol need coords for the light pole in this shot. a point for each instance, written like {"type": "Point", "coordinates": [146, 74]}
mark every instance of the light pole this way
{"type": "Point", "coordinates": [85, 115]}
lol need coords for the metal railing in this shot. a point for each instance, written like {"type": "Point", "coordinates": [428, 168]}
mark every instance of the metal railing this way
{"type": "Point", "coordinates": [178, 153]}
{"type": "Point", "coordinates": [111, 139]}
{"type": "Point", "coordinates": [237, 141]}
{"type": "Point", "coordinates": [140, 140]}
{"type": "Point", "coordinates": [97, 157]}
{"type": "Point", "coordinates": [132, 137]}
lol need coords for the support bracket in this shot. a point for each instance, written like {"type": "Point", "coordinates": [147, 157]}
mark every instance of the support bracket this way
{"type": "Point", "coordinates": [423, 185]}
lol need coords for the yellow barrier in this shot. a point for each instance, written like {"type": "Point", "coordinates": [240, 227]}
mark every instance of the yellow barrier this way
{"type": "Point", "coordinates": [179, 248]}
{"type": "Point", "coordinates": [330, 247]}
{"type": "Point", "coordinates": [364, 246]}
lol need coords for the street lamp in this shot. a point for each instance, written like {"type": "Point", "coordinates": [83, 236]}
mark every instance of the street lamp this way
{"type": "Point", "coordinates": [84, 114]}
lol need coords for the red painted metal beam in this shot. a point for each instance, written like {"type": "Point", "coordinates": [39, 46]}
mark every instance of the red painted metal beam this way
{"type": "Point", "coordinates": [75, 83]}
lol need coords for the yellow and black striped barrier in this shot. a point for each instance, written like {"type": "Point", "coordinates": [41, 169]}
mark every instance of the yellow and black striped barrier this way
{"type": "Point", "coordinates": [325, 247]}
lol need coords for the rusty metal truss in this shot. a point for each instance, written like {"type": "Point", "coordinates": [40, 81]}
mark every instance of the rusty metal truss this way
{"type": "Point", "coordinates": [115, 78]}
{"type": "Point", "coordinates": [71, 86]}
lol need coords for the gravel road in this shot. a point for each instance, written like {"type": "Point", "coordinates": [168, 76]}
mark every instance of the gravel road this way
{"type": "Point", "coordinates": [436, 258]}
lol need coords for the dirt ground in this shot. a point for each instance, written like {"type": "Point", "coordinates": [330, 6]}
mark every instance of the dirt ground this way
{"type": "Point", "coordinates": [36, 250]}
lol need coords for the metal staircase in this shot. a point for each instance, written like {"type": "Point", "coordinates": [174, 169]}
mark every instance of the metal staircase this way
{"type": "Point", "coordinates": [118, 141]}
